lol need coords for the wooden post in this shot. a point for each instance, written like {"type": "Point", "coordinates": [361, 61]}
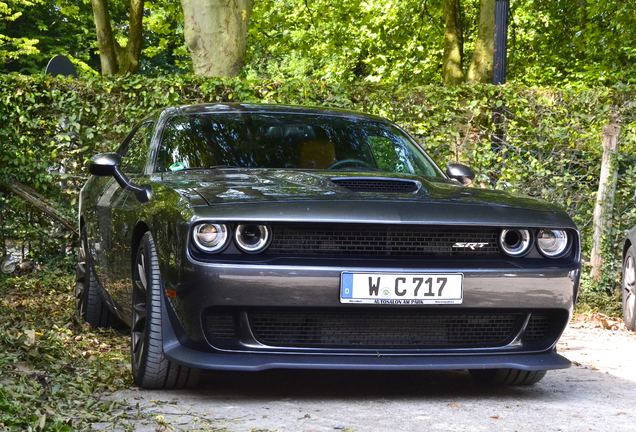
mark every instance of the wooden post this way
{"type": "Point", "coordinates": [602, 220]}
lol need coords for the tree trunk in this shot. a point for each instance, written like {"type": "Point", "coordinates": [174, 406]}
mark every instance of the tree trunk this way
{"type": "Point", "coordinates": [453, 44]}
{"type": "Point", "coordinates": [216, 34]}
{"type": "Point", "coordinates": [128, 56]}
{"type": "Point", "coordinates": [41, 203]}
{"type": "Point", "coordinates": [602, 219]}
{"type": "Point", "coordinates": [113, 57]}
{"type": "Point", "coordinates": [105, 40]}
{"type": "Point", "coordinates": [480, 69]}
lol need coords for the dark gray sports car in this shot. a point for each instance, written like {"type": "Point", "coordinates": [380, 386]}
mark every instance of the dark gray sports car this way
{"type": "Point", "coordinates": [249, 237]}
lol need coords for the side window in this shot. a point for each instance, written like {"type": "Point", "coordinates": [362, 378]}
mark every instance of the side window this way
{"type": "Point", "coordinates": [135, 156]}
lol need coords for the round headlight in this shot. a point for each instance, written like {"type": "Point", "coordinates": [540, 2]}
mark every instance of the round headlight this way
{"type": "Point", "coordinates": [210, 237]}
{"type": "Point", "coordinates": [552, 243]}
{"type": "Point", "coordinates": [252, 238]}
{"type": "Point", "coordinates": [515, 242]}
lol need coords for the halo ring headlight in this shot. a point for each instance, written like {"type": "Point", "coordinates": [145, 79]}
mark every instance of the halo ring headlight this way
{"type": "Point", "coordinates": [515, 242]}
{"type": "Point", "coordinates": [553, 243]}
{"type": "Point", "coordinates": [210, 237]}
{"type": "Point", "coordinates": [252, 238]}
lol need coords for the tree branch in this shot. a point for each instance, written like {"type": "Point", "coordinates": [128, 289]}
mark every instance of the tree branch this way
{"type": "Point", "coordinates": [41, 203]}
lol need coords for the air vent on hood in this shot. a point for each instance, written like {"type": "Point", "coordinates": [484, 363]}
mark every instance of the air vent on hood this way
{"type": "Point", "coordinates": [370, 184]}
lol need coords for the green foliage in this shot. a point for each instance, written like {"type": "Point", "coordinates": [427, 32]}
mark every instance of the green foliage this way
{"type": "Point", "coordinates": [594, 300]}
{"type": "Point", "coordinates": [13, 47]}
{"type": "Point", "coordinates": [164, 49]}
{"type": "Point", "coordinates": [33, 31]}
{"type": "Point", "coordinates": [573, 42]}
{"type": "Point", "coordinates": [39, 29]}
{"type": "Point", "coordinates": [53, 372]}
{"type": "Point", "coordinates": [559, 41]}
{"type": "Point", "coordinates": [387, 41]}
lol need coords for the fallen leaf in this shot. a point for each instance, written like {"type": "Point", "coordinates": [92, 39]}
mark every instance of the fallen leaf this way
{"type": "Point", "coordinates": [30, 337]}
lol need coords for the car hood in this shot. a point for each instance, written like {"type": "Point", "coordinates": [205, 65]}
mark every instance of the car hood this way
{"type": "Point", "coordinates": [219, 186]}
{"type": "Point", "coordinates": [269, 195]}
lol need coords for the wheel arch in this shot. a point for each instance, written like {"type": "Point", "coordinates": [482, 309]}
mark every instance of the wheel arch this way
{"type": "Point", "coordinates": [138, 232]}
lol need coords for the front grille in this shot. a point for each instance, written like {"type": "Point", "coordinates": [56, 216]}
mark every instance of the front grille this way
{"type": "Point", "coordinates": [382, 240]}
{"type": "Point", "coordinates": [380, 329]}
{"type": "Point", "coordinates": [377, 185]}
{"type": "Point", "coordinates": [384, 329]}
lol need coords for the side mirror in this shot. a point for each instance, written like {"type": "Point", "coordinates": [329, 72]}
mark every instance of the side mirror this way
{"type": "Point", "coordinates": [107, 164]}
{"type": "Point", "coordinates": [460, 172]}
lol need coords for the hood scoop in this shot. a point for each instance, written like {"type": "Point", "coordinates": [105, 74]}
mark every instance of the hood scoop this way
{"type": "Point", "coordinates": [374, 184]}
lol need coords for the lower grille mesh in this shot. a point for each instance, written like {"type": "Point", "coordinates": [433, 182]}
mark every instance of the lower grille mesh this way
{"type": "Point", "coordinates": [540, 327]}
{"type": "Point", "coordinates": [377, 329]}
{"type": "Point", "coordinates": [384, 329]}
{"type": "Point", "coordinates": [220, 325]}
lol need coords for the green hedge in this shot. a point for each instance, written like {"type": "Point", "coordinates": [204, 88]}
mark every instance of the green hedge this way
{"type": "Point", "coordinates": [50, 127]}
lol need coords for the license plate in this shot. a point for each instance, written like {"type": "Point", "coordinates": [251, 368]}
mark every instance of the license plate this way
{"type": "Point", "coordinates": [401, 288]}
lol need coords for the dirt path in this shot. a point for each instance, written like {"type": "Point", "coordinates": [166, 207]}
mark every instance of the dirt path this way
{"type": "Point", "coordinates": [598, 393]}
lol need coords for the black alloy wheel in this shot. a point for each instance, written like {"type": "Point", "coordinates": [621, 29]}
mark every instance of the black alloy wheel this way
{"type": "Point", "coordinates": [150, 367]}
{"type": "Point", "coordinates": [138, 327]}
{"type": "Point", "coordinates": [80, 285]}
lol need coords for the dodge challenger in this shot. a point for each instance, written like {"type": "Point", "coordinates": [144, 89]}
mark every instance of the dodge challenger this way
{"type": "Point", "coordinates": [246, 237]}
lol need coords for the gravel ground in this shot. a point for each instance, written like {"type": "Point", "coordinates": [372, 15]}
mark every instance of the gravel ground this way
{"type": "Point", "coordinates": [597, 393]}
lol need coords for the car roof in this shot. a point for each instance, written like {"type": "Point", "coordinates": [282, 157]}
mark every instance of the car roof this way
{"type": "Point", "coordinates": [268, 108]}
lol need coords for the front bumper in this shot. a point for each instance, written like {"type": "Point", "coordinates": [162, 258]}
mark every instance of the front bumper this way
{"type": "Point", "coordinates": [487, 287]}
{"type": "Point", "coordinates": [249, 362]}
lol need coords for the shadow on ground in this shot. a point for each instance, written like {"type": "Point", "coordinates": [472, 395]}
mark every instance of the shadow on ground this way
{"type": "Point", "coordinates": [596, 394]}
{"type": "Point", "coordinates": [319, 385]}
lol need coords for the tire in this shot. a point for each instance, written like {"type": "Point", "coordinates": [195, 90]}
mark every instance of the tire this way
{"type": "Point", "coordinates": [150, 368]}
{"type": "Point", "coordinates": [89, 301]}
{"type": "Point", "coordinates": [628, 289]}
{"type": "Point", "coordinates": [506, 377]}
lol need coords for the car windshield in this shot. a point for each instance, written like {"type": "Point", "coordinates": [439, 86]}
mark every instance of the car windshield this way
{"type": "Point", "coordinates": [289, 141]}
